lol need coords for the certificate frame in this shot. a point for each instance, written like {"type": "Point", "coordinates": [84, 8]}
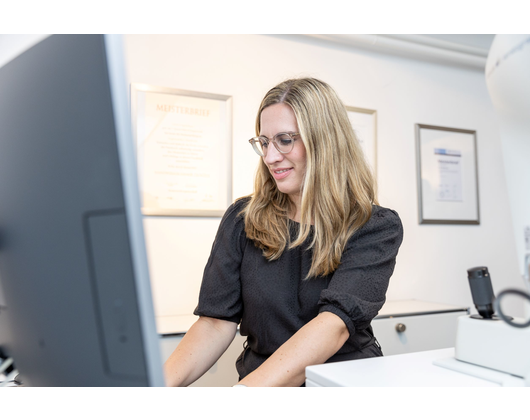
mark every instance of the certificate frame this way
{"type": "Point", "coordinates": [220, 169]}
{"type": "Point", "coordinates": [366, 133]}
{"type": "Point", "coordinates": [447, 175]}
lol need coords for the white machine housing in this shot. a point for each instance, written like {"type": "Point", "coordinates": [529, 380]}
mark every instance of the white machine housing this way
{"type": "Point", "coordinates": [494, 344]}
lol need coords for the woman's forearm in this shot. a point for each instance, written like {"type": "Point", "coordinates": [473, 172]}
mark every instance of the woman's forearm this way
{"type": "Point", "coordinates": [313, 344]}
{"type": "Point", "coordinates": [201, 347]}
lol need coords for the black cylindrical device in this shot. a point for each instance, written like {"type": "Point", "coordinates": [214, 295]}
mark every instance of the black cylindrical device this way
{"type": "Point", "coordinates": [481, 290]}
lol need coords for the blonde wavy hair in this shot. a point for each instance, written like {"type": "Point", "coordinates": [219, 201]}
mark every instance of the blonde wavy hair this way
{"type": "Point", "coordinates": [338, 188]}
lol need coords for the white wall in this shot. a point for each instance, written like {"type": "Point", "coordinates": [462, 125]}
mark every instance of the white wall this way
{"type": "Point", "coordinates": [433, 259]}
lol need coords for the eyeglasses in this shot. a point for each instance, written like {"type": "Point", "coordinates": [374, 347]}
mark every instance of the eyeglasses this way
{"type": "Point", "coordinates": [284, 143]}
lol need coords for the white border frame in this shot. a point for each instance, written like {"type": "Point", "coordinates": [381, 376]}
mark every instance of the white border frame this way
{"type": "Point", "coordinates": [227, 136]}
{"type": "Point", "coordinates": [373, 146]}
{"type": "Point", "coordinates": [471, 185]}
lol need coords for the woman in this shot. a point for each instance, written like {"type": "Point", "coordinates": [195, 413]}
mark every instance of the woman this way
{"type": "Point", "coordinates": [304, 262]}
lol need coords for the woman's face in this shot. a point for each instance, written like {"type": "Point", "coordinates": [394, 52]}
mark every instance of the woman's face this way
{"type": "Point", "coordinates": [287, 169]}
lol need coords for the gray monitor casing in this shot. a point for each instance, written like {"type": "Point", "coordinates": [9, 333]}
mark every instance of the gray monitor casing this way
{"type": "Point", "coordinates": [77, 307]}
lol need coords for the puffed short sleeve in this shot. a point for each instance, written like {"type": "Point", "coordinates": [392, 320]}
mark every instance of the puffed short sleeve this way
{"type": "Point", "coordinates": [356, 291]}
{"type": "Point", "coordinates": [220, 293]}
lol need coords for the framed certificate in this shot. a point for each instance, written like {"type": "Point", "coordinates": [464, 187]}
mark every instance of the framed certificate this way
{"type": "Point", "coordinates": [447, 175]}
{"type": "Point", "coordinates": [364, 123]}
{"type": "Point", "coordinates": [184, 150]}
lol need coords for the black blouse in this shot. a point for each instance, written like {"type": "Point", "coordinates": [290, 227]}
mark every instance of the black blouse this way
{"type": "Point", "coordinates": [271, 299]}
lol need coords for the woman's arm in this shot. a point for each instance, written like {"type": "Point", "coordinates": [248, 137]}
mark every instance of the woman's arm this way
{"type": "Point", "coordinates": [313, 344]}
{"type": "Point", "coordinates": [204, 343]}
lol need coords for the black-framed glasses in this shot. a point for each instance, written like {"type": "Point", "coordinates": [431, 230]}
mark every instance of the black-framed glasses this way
{"type": "Point", "coordinates": [284, 143]}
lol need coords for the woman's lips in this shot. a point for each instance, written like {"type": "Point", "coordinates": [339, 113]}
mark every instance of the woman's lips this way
{"type": "Point", "coordinates": [281, 173]}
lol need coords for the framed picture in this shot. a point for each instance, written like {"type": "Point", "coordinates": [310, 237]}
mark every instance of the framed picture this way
{"type": "Point", "coordinates": [364, 123]}
{"type": "Point", "coordinates": [447, 175]}
{"type": "Point", "coordinates": [184, 150]}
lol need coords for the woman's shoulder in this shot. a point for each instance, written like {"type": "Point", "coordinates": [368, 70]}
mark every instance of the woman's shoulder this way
{"type": "Point", "coordinates": [383, 213]}
{"type": "Point", "coordinates": [232, 227]}
{"type": "Point", "coordinates": [381, 234]}
{"type": "Point", "coordinates": [383, 221]}
{"type": "Point", "coordinates": [239, 205]}
{"type": "Point", "coordinates": [234, 212]}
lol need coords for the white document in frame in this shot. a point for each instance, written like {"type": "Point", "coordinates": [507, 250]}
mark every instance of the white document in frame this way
{"type": "Point", "coordinates": [179, 145]}
{"type": "Point", "coordinates": [449, 174]}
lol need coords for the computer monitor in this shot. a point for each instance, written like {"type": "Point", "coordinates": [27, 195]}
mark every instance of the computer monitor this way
{"type": "Point", "coordinates": [77, 306]}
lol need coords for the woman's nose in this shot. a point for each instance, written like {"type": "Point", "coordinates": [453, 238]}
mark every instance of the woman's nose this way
{"type": "Point", "coordinates": [273, 155]}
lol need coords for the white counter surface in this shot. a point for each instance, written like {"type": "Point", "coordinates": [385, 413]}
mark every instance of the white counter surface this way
{"type": "Point", "coordinates": [404, 370]}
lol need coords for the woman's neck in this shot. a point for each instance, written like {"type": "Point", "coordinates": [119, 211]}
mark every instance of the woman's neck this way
{"type": "Point", "coordinates": [295, 209]}
{"type": "Point", "coordinates": [296, 215]}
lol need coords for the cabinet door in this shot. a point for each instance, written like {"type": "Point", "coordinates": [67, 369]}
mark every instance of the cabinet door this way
{"type": "Point", "coordinates": [418, 333]}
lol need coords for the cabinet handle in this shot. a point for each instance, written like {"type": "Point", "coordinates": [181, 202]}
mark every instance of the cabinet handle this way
{"type": "Point", "coordinates": [400, 327]}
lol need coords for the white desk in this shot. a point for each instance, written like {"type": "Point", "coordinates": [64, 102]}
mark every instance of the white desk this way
{"type": "Point", "coordinates": [406, 370]}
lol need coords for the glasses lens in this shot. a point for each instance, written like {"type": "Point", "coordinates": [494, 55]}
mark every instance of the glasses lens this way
{"type": "Point", "coordinates": [284, 143]}
{"type": "Point", "coordinates": [257, 145]}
